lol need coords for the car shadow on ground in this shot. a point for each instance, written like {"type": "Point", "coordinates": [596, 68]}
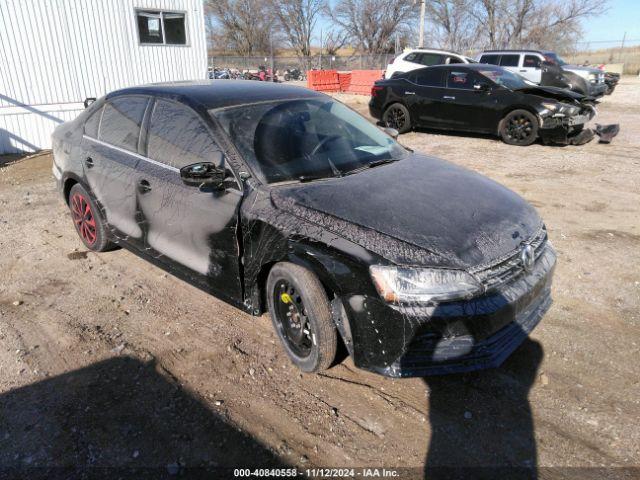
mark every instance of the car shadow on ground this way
{"type": "Point", "coordinates": [119, 418]}
{"type": "Point", "coordinates": [481, 422]}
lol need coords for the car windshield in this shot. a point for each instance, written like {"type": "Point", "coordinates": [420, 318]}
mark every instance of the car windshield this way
{"type": "Point", "coordinates": [555, 58]}
{"type": "Point", "coordinates": [504, 78]}
{"type": "Point", "coordinates": [305, 139]}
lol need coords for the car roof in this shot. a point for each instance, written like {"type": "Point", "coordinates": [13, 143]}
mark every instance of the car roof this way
{"type": "Point", "coordinates": [432, 50]}
{"type": "Point", "coordinates": [514, 51]}
{"type": "Point", "coordinates": [463, 66]}
{"type": "Point", "coordinates": [211, 94]}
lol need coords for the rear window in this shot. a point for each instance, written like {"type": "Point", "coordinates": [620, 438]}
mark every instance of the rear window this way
{"type": "Point", "coordinates": [509, 60]}
{"type": "Point", "coordinates": [490, 59]}
{"type": "Point", "coordinates": [121, 120]}
{"type": "Point", "coordinates": [92, 124]}
{"type": "Point", "coordinates": [428, 59]}
{"type": "Point", "coordinates": [428, 77]}
{"type": "Point", "coordinates": [178, 136]}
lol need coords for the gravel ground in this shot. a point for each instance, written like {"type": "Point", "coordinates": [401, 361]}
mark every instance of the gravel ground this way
{"type": "Point", "coordinates": [106, 361]}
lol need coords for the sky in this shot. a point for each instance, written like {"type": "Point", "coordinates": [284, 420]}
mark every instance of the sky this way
{"type": "Point", "coordinates": [599, 32]}
{"type": "Point", "coordinates": [622, 16]}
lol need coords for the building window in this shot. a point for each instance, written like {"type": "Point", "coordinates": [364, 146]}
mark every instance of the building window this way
{"type": "Point", "coordinates": [161, 28]}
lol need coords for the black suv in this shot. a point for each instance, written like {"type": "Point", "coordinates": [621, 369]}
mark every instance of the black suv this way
{"type": "Point", "coordinates": [271, 196]}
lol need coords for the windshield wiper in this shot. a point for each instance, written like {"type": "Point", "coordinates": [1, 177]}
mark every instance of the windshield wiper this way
{"type": "Point", "coordinates": [311, 178]}
{"type": "Point", "coordinates": [375, 163]}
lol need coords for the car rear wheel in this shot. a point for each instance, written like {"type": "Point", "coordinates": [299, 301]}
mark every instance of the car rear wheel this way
{"type": "Point", "coordinates": [88, 221]}
{"type": "Point", "coordinates": [519, 127]}
{"type": "Point", "coordinates": [397, 116]}
{"type": "Point", "coordinates": [301, 315]}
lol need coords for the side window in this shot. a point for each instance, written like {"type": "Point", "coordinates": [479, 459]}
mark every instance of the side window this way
{"type": "Point", "coordinates": [458, 79]}
{"type": "Point", "coordinates": [509, 60]}
{"type": "Point", "coordinates": [411, 57]}
{"type": "Point", "coordinates": [428, 77]}
{"type": "Point", "coordinates": [121, 121]}
{"type": "Point", "coordinates": [490, 59]}
{"type": "Point", "coordinates": [531, 61]}
{"type": "Point", "coordinates": [451, 60]}
{"type": "Point", "coordinates": [92, 124]}
{"type": "Point", "coordinates": [428, 59]}
{"type": "Point", "coordinates": [178, 136]}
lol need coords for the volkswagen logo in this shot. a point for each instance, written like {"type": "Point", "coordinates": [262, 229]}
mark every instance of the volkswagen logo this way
{"type": "Point", "coordinates": [528, 257]}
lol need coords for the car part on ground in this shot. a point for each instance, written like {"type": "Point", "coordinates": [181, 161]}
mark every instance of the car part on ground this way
{"type": "Point", "coordinates": [278, 197]}
{"type": "Point", "coordinates": [607, 132]}
{"type": "Point", "coordinates": [480, 98]}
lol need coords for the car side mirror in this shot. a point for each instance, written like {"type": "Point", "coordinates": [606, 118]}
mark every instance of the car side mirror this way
{"type": "Point", "coordinates": [392, 132]}
{"type": "Point", "coordinates": [203, 174]}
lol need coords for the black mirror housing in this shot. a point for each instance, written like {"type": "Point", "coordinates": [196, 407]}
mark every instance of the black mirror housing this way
{"type": "Point", "coordinates": [203, 174]}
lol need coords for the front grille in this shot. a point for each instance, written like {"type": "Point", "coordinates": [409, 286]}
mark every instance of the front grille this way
{"type": "Point", "coordinates": [503, 271]}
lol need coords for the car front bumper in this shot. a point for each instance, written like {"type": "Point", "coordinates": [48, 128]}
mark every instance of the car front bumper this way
{"type": "Point", "coordinates": [451, 337]}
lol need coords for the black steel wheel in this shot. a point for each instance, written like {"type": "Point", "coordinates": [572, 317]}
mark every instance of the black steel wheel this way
{"type": "Point", "coordinates": [397, 116]}
{"type": "Point", "coordinates": [301, 316]}
{"type": "Point", "coordinates": [519, 127]}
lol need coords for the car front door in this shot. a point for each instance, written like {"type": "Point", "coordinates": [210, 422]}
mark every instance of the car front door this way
{"type": "Point", "coordinates": [531, 68]}
{"type": "Point", "coordinates": [191, 229]}
{"type": "Point", "coordinates": [110, 162]}
{"type": "Point", "coordinates": [467, 104]}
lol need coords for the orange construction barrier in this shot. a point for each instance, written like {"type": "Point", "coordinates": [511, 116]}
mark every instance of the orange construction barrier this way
{"type": "Point", "coordinates": [323, 80]}
{"type": "Point", "coordinates": [363, 80]}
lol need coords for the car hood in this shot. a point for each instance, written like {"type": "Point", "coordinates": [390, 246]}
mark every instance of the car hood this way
{"type": "Point", "coordinates": [553, 92]}
{"type": "Point", "coordinates": [580, 68]}
{"type": "Point", "coordinates": [419, 211]}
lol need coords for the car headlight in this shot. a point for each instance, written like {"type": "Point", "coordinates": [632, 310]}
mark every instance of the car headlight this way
{"type": "Point", "coordinates": [422, 285]}
{"type": "Point", "coordinates": [552, 106]}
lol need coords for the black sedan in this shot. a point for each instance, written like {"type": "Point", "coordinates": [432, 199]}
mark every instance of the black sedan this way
{"type": "Point", "coordinates": [276, 197]}
{"type": "Point", "coordinates": [480, 98]}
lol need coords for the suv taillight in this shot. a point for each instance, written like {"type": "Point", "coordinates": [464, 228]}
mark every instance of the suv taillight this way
{"type": "Point", "coordinates": [375, 89]}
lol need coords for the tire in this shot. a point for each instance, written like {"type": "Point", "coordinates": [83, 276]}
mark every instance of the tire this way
{"type": "Point", "coordinates": [307, 306]}
{"type": "Point", "coordinates": [88, 221]}
{"type": "Point", "coordinates": [286, 77]}
{"type": "Point", "coordinates": [519, 127]}
{"type": "Point", "coordinates": [397, 116]}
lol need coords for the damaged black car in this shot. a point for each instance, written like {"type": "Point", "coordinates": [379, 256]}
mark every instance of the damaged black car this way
{"type": "Point", "coordinates": [280, 199]}
{"type": "Point", "coordinates": [484, 99]}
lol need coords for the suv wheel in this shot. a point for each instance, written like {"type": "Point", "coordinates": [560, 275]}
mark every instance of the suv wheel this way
{"type": "Point", "coordinates": [397, 116]}
{"type": "Point", "coordinates": [519, 127]}
{"type": "Point", "coordinates": [301, 315]}
{"type": "Point", "coordinates": [88, 221]}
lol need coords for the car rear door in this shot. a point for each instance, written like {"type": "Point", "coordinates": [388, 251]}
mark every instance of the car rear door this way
{"type": "Point", "coordinates": [511, 62]}
{"type": "Point", "coordinates": [424, 97]}
{"type": "Point", "coordinates": [531, 68]}
{"type": "Point", "coordinates": [110, 162]}
{"type": "Point", "coordinates": [193, 230]}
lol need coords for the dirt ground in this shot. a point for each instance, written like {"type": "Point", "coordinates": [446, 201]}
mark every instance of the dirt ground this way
{"type": "Point", "coordinates": [106, 361]}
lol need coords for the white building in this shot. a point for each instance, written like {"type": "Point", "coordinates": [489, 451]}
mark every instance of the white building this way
{"type": "Point", "coordinates": [56, 53]}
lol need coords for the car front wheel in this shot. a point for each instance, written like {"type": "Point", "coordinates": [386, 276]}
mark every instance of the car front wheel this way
{"type": "Point", "coordinates": [397, 116]}
{"type": "Point", "coordinates": [519, 127]}
{"type": "Point", "coordinates": [301, 315]}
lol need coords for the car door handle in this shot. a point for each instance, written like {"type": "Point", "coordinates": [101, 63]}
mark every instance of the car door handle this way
{"type": "Point", "coordinates": [144, 186]}
{"type": "Point", "coordinates": [448, 97]}
{"type": "Point", "coordinates": [89, 162]}
{"type": "Point", "coordinates": [409, 93]}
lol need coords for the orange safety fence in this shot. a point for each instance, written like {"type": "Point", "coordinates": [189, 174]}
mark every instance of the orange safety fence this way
{"type": "Point", "coordinates": [356, 81]}
{"type": "Point", "coordinates": [323, 80]}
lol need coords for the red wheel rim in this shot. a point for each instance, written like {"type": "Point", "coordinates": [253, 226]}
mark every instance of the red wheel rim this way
{"type": "Point", "coordinates": [83, 218]}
